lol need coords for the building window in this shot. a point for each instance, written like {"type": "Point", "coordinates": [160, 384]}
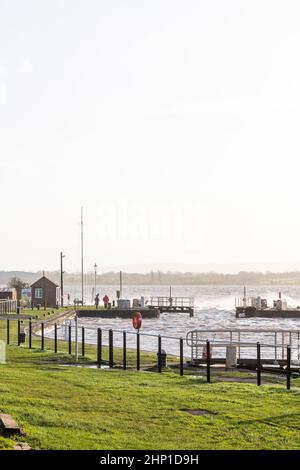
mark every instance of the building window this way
{"type": "Point", "coordinates": [38, 293]}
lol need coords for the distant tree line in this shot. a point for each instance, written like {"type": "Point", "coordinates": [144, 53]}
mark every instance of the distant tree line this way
{"type": "Point", "coordinates": [159, 278]}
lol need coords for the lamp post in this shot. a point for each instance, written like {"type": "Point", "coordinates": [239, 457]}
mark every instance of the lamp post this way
{"type": "Point", "coordinates": [95, 268]}
{"type": "Point", "coordinates": [61, 280]}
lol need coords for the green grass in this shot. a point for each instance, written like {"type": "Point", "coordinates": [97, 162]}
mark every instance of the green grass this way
{"type": "Point", "coordinates": [61, 407]}
{"type": "Point", "coordinates": [66, 408]}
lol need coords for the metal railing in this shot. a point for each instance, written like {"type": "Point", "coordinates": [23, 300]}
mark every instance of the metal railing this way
{"type": "Point", "coordinates": [277, 339]}
{"type": "Point", "coordinates": [116, 352]}
{"type": "Point", "coordinates": [172, 302]}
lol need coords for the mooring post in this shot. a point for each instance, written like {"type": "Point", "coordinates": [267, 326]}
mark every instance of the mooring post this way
{"type": "Point", "coordinates": [70, 338]}
{"type": "Point", "coordinates": [111, 349]}
{"type": "Point", "coordinates": [138, 351]}
{"type": "Point", "coordinates": [55, 338]}
{"type": "Point", "coordinates": [30, 334]}
{"type": "Point", "coordinates": [7, 331]}
{"type": "Point", "coordinates": [258, 364]}
{"type": "Point", "coordinates": [124, 351]}
{"type": "Point", "coordinates": [288, 367]}
{"type": "Point", "coordinates": [159, 365]}
{"type": "Point", "coordinates": [19, 331]}
{"type": "Point", "coordinates": [181, 356]}
{"type": "Point", "coordinates": [99, 347]}
{"type": "Point", "coordinates": [208, 361]}
{"type": "Point", "coordinates": [82, 342]}
{"type": "Point", "coordinates": [42, 337]}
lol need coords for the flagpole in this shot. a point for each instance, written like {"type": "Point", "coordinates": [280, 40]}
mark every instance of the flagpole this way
{"type": "Point", "coordinates": [82, 255]}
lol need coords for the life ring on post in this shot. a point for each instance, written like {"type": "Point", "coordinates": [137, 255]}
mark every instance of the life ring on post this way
{"type": "Point", "coordinates": [137, 320]}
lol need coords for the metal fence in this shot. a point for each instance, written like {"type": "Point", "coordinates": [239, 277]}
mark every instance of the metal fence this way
{"type": "Point", "coordinates": [277, 341]}
{"type": "Point", "coordinates": [125, 349]}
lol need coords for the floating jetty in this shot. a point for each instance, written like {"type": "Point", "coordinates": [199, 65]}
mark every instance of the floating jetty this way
{"type": "Point", "coordinates": [118, 312]}
{"type": "Point", "coordinates": [247, 307]}
{"type": "Point", "coordinates": [173, 304]}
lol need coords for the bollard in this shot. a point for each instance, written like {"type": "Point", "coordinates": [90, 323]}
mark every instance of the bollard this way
{"type": "Point", "coordinates": [19, 328]}
{"type": "Point", "coordinates": [42, 337]}
{"type": "Point", "coordinates": [55, 338]}
{"type": "Point", "coordinates": [82, 342]}
{"type": "Point", "coordinates": [124, 351]}
{"type": "Point", "coordinates": [159, 355]}
{"type": "Point", "coordinates": [111, 349]}
{"type": "Point", "coordinates": [99, 347]}
{"type": "Point", "coordinates": [7, 331]}
{"type": "Point", "coordinates": [181, 356]}
{"type": "Point", "coordinates": [138, 351]}
{"type": "Point", "coordinates": [30, 334]}
{"type": "Point", "coordinates": [288, 367]}
{"type": "Point", "coordinates": [208, 361]}
{"type": "Point", "coordinates": [70, 339]}
{"type": "Point", "coordinates": [258, 365]}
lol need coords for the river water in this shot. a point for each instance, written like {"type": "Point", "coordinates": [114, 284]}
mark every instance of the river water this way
{"type": "Point", "coordinates": [214, 309]}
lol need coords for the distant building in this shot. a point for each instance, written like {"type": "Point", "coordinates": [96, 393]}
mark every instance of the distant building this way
{"type": "Point", "coordinates": [45, 293]}
{"type": "Point", "coordinates": [8, 293]}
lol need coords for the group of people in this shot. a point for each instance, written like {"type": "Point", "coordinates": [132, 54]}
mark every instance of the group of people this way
{"type": "Point", "coordinates": [105, 300]}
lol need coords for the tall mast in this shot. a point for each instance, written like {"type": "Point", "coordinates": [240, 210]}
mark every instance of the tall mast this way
{"type": "Point", "coordinates": [82, 255]}
{"type": "Point", "coordinates": [121, 285]}
{"type": "Point", "coordinates": [245, 297]}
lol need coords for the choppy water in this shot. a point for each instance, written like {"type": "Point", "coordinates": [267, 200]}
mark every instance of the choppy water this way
{"type": "Point", "coordinates": [214, 309]}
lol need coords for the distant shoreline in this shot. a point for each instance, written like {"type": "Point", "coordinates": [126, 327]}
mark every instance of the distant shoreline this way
{"type": "Point", "coordinates": [160, 278]}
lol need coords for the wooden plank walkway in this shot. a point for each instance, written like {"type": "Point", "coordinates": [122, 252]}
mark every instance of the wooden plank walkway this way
{"type": "Point", "coordinates": [9, 425]}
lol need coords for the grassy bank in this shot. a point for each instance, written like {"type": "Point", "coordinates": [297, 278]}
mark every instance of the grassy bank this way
{"type": "Point", "coordinates": [62, 407]}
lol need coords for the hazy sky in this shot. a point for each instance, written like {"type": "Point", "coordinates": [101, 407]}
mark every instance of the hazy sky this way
{"type": "Point", "coordinates": [175, 124]}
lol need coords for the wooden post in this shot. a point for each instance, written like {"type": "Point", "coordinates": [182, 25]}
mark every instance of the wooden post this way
{"type": "Point", "coordinates": [288, 367]}
{"type": "Point", "coordinates": [30, 334]}
{"type": "Point", "coordinates": [99, 347]}
{"type": "Point", "coordinates": [19, 330]}
{"type": "Point", "coordinates": [111, 349]}
{"type": "Point", "coordinates": [138, 351]}
{"type": "Point", "coordinates": [159, 365]}
{"type": "Point", "coordinates": [42, 338]}
{"type": "Point", "coordinates": [7, 331]}
{"type": "Point", "coordinates": [82, 341]}
{"type": "Point", "coordinates": [258, 364]}
{"type": "Point", "coordinates": [208, 361]}
{"type": "Point", "coordinates": [124, 350]}
{"type": "Point", "coordinates": [70, 339]}
{"type": "Point", "coordinates": [55, 338]}
{"type": "Point", "coordinates": [181, 356]}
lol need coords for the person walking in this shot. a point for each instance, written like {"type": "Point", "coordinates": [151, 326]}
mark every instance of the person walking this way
{"type": "Point", "coordinates": [97, 301]}
{"type": "Point", "coordinates": [105, 300]}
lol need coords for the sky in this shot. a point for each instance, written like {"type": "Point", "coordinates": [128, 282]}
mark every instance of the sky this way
{"type": "Point", "coordinates": [174, 124]}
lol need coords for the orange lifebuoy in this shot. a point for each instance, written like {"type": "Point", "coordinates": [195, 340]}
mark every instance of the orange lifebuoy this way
{"type": "Point", "coordinates": [137, 320]}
